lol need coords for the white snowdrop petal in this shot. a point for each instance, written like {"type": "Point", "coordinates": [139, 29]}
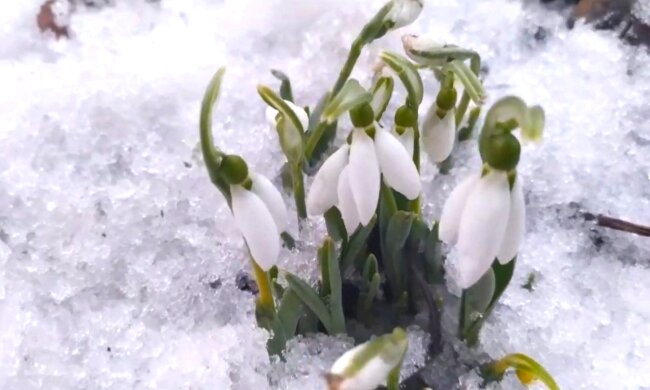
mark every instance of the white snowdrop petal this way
{"type": "Point", "coordinates": [270, 115]}
{"type": "Point", "coordinates": [514, 234]}
{"type": "Point", "coordinates": [397, 165]}
{"type": "Point", "coordinates": [482, 226]}
{"type": "Point", "coordinates": [323, 191]}
{"type": "Point", "coordinates": [346, 203]}
{"type": "Point", "coordinates": [404, 12]}
{"type": "Point", "coordinates": [439, 135]}
{"type": "Point", "coordinates": [372, 375]}
{"type": "Point", "coordinates": [453, 209]}
{"type": "Point", "coordinates": [364, 175]}
{"type": "Point", "coordinates": [300, 113]}
{"type": "Point", "coordinates": [272, 198]}
{"type": "Point", "coordinates": [256, 224]}
{"type": "Point", "coordinates": [407, 139]}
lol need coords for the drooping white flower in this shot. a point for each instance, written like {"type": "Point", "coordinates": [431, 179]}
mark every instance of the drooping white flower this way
{"type": "Point", "coordinates": [404, 12]}
{"type": "Point", "coordinates": [356, 192]}
{"type": "Point", "coordinates": [323, 192]}
{"type": "Point", "coordinates": [364, 175]}
{"type": "Point", "coordinates": [271, 115]}
{"type": "Point", "coordinates": [368, 365]}
{"type": "Point", "coordinates": [485, 219]}
{"type": "Point", "coordinates": [438, 134]}
{"type": "Point", "coordinates": [260, 215]}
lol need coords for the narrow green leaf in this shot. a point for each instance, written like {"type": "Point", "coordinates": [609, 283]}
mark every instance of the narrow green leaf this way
{"type": "Point", "coordinates": [502, 277]}
{"type": "Point", "coordinates": [351, 95]}
{"type": "Point", "coordinates": [356, 245]}
{"type": "Point", "coordinates": [310, 298]}
{"type": "Point", "coordinates": [285, 85]}
{"type": "Point", "coordinates": [526, 368]}
{"type": "Point", "coordinates": [367, 297]}
{"type": "Point", "coordinates": [370, 268]}
{"type": "Point", "coordinates": [286, 322]}
{"type": "Point", "coordinates": [335, 225]}
{"type": "Point", "coordinates": [397, 232]}
{"type": "Point", "coordinates": [407, 73]}
{"type": "Point", "coordinates": [328, 252]}
{"type": "Point", "coordinates": [471, 82]}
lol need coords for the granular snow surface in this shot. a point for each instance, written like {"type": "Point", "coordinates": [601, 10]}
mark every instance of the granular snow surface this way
{"type": "Point", "coordinates": [119, 259]}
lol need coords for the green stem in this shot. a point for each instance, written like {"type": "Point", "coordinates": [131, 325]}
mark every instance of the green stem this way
{"type": "Point", "coordinates": [344, 74]}
{"type": "Point", "coordinates": [298, 190]}
{"type": "Point", "coordinates": [415, 204]}
{"type": "Point", "coordinates": [265, 295]}
{"type": "Point", "coordinates": [314, 137]}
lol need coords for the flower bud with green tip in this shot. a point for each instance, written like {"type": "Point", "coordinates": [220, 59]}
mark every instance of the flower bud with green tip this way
{"type": "Point", "coordinates": [427, 51]}
{"type": "Point", "coordinates": [439, 126]}
{"type": "Point", "coordinates": [403, 13]}
{"type": "Point", "coordinates": [369, 365]}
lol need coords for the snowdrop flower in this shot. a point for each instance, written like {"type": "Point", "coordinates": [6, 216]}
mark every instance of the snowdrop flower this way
{"type": "Point", "coordinates": [439, 134]}
{"type": "Point", "coordinates": [368, 365]}
{"type": "Point", "coordinates": [439, 125]}
{"type": "Point", "coordinates": [258, 210]}
{"type": "Point", "coordinates": [351, 177]}
{"type": "Point", "coordinates": [484, 217]}
{"type": "Point", "coordinates": [404, 12]}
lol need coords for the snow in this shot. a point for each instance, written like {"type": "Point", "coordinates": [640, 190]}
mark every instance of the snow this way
{"type": "Point", "coordinates": [118, 259]}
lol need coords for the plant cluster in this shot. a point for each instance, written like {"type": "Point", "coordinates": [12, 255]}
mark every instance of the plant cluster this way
{"type": "Point", "coordinates": [381, 259]}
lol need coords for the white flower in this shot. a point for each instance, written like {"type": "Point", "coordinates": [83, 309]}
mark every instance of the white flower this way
{"type": "Point", "coordinates": [438, 135]}
{"type": "Point", "coordinates": [404, 12]}
{"type": "Point", "coordinates": [485, 219]}
{"type": "Point", "coordinates": [350, 178]}
{"type": "Point", "coordinates": [260, 215]}
{"type": "Point", "coordinates": [407, 138]}
{"type": "Point", "coordinates": [272, 113]}
{"type": "Point", "coordinates": [368, 365]}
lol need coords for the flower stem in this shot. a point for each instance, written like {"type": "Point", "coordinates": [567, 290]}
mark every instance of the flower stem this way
{"type": "Point", "coordinates": [265, 296]}
{"type": "Point", "coordinates": [344, 74]}
{"type": "Point", "coordinates": [314, 137]}
{"type": "Point", "coordinates": [298, 190]}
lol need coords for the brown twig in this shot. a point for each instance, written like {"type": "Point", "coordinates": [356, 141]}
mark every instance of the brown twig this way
{"type": "Point", "coordinates": [618, 224]}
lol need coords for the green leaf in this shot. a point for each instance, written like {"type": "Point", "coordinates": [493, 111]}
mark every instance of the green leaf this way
{"type": "Point", "coordinates": [310, 298]}
{"type": "Point", "coordinates": [433, 256]}
{"type": "Point", "coordinates": [407, 73]}
{"type": "Point", "coordinates": [470, 81]}
{"type": "Point", "coordinates": [367, 297]}
{"type": "Point", "coordinates": [335, 225]}
{"type": "Point", "coordinates": [351, 95]}
{"type": "Point", "coordinates": [471, 327]}
{"type": "Point", "coordinates": [382, 91]}
{"type": "Point", "coordinates": [527, 369]}
{"type": "Point", "coordinates": [370, 268]}
{"type": "Point", "coordinates": [397, 232]}
{"type": "Point", "coordinates": [286, 322]}
{"type": "Point", "coordinates": [328, 254]}
{"type": "Point", "coordinates": [356, 245]}
{"type": "Point", "coordinates": [285, 86]}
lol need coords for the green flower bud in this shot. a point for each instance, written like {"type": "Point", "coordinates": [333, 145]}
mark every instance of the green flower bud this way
{"type": "Point", "coordinates": [500, 150]}
{"type": "Point", "coordinates": [234, 169]}
{"type": "Point", "coordinates": [405, 117]}
{"type": "Point", "coordinates": [362, 115]}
